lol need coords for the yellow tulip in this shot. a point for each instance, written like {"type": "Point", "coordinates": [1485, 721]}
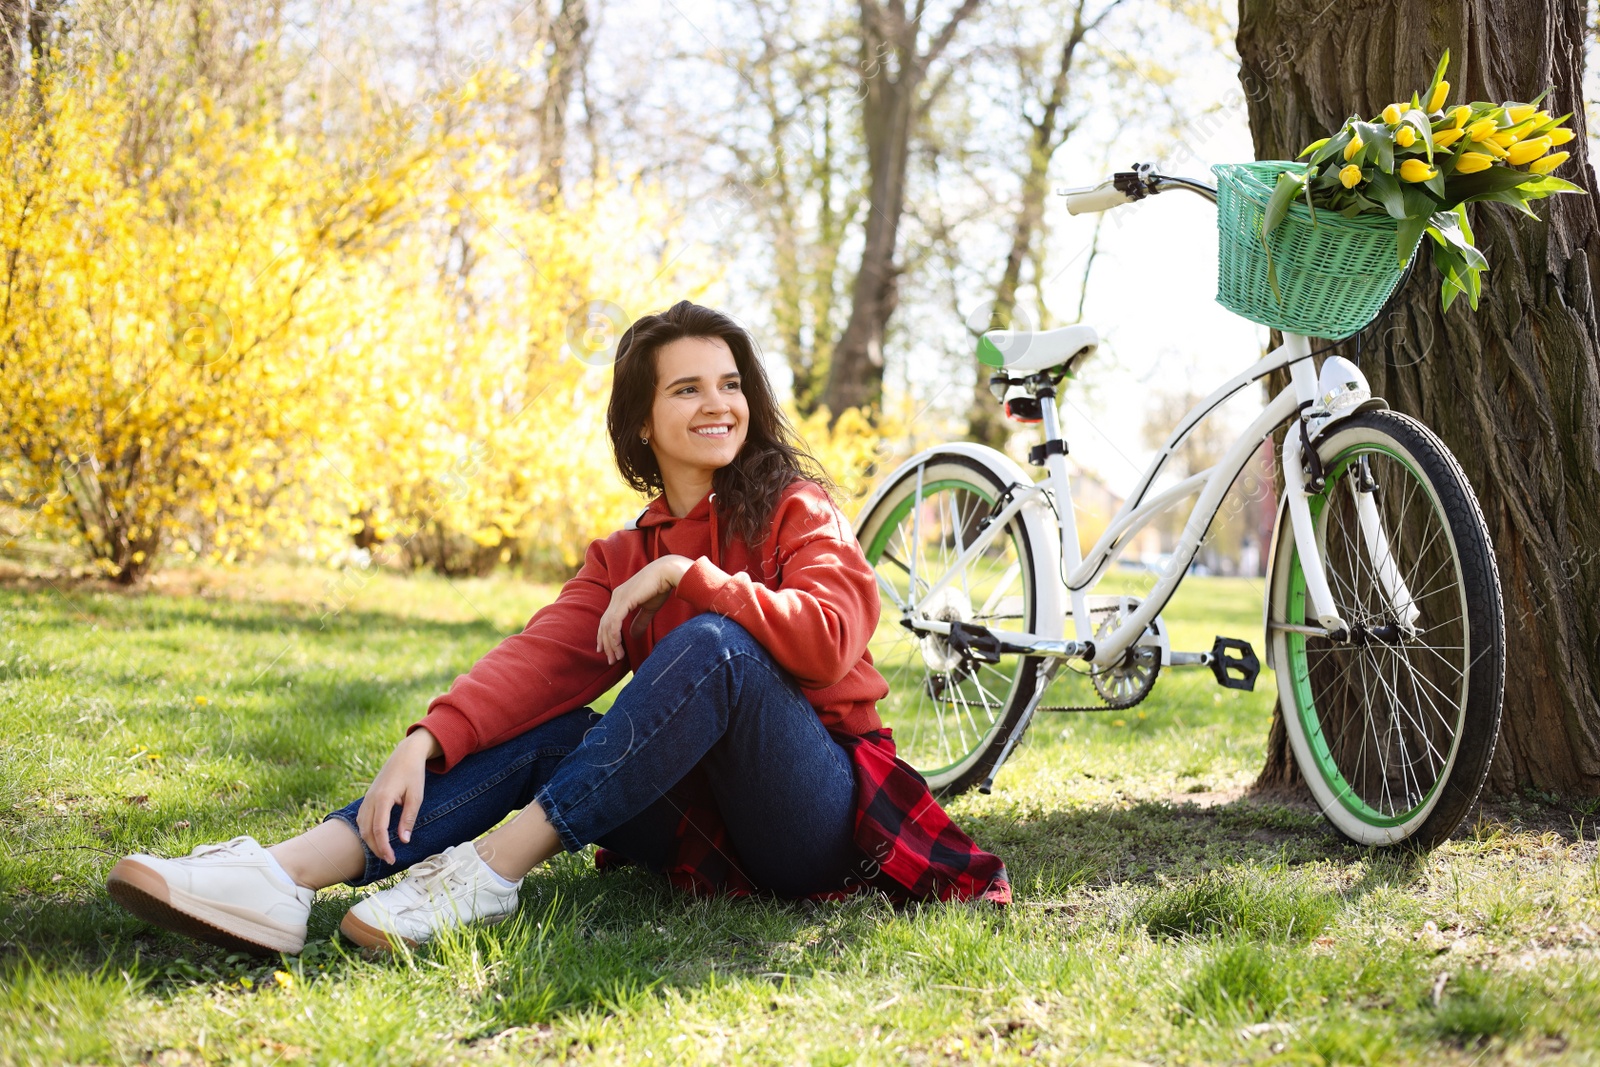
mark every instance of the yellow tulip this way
{"type": "Point", "coordinates": [1520, 111]}
{"type": "Point", "coordinates": [1460, 114]}
{"type": "Point", "coordinates": [1489, 147]}
{"type": "Point", "coordinates": [1473, 162]}
{"type": "Point", "coordinates": [1440, 91]}
{"type": "Point", "coordinates": [1415, 170]}
{"type": "Point", "coordinates": [1406, 137]}
{"type": "Point", "coordinates": [1392, 113]}
{"type": "Point", "coordinates": [1349, 175]}
{"type": "Point", "coordinates": [1480, 129]}
{"type": "Point", "coordinates": [1529, 150]}
{"type": "Point", "coordinates": [1446, 138]}
{"type": "Point", "coordinates": [1509, 136]}
{"type": "Point", "coordinates": [1548, 163]}
{"type": "Point", "coordinates": [1355, 145]}
{"type": "Point", "coordinates": [1560, 135]}
{"type": "Point", "coordinates": [1541, 117]}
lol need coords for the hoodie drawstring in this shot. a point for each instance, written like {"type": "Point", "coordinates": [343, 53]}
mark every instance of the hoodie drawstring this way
{"type": "Point", "coordinates": [652, 549]}
{"type": "Point", "coordinates": [713, 502]}
{"type": "Point", "coordinates": [652, 539]}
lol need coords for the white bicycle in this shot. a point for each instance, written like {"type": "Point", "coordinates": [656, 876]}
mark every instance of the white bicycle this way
{"type": "Point", "coordinates": [1383, 617]}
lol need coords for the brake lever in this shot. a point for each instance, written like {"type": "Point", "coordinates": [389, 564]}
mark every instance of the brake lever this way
{"type": "Point", "coordinates": [1137, 183]}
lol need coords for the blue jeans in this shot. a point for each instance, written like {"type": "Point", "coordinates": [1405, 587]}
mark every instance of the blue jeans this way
{"type": "Point", "coordinates": [709, 697]}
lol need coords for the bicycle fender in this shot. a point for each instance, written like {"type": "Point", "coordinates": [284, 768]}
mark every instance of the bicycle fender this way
{"type": "Point", "coordinates": [1272, 562]}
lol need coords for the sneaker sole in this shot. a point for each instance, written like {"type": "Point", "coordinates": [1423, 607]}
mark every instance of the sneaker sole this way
{"type": "Point", "coordinates": [146, 894]}
{"type": "Point", "coordinates": [368, 936]}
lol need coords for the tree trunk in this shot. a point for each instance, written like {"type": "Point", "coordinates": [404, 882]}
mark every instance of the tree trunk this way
{"type": "Point", "coordinates": [895, 79]}
{"type": "Point", "coordinates": [985, 421]}
{"type": "Point", "coordinates": [26, 31]}
{"type": "Point", "coordinates": [1513, 389]}
{"type": "Point", "coordinates": [568, 54]}
{"type": "Point", "coordinates": [13, 43]}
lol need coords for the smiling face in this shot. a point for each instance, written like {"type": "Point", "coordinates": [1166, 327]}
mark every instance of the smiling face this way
{"type": "Point", "coordinates": [699, 417]}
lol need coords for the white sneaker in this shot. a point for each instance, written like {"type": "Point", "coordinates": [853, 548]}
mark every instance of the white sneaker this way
{"type": "Point", "coordinates": [442, 891]}
{"type": "Point", "coordinates": [231, 894]}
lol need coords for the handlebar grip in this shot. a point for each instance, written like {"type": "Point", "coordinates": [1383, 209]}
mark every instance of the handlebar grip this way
{"type": "Point", "coordinates": [1102, 197]}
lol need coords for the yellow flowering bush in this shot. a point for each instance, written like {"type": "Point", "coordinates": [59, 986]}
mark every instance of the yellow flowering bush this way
{"type": "Point", "coordinates": [251, 341]}
{"type": "Point", "coordinates": [170, 333]}
{"type": "Point", "coordinates": [1420, 162]}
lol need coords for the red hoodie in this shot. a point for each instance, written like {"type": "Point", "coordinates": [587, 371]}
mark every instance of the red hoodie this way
{"type": "Point", "coordinates": [806, 593]}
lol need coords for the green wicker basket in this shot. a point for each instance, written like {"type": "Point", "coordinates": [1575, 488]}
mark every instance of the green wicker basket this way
{"type": "Point", "coordinates": [1333, 275]}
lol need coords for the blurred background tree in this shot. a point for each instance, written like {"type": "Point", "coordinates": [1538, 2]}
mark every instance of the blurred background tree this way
{"type": "Point", "coordinates": [340, 278]}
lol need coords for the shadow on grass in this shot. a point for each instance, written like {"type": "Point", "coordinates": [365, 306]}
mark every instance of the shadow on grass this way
{"type": "Point", "coordinates": [581, 941]}
{"type": "Point", "coordinates": [1145, 843]}
{"type": "Point", "coordinates": [1154, 841]}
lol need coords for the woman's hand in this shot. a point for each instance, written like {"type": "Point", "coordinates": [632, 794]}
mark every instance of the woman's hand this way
{"type": "Point", "coordinates": [400, 781]}
{"type": "Point", "coordinates": [648, 590]}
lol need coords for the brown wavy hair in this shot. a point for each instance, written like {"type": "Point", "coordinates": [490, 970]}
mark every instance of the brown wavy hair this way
{"type": "Point", "coordinates": [772, 455]}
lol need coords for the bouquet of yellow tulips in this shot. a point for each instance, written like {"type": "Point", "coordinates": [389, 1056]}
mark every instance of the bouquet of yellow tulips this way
{"type": "Point", "coordinates": [1421, 163]}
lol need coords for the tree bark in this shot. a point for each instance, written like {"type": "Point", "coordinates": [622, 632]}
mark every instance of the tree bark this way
{"type": "Point", "coordinates": [569, 45]}
{"type": "Point", "coordinates": [27, 28]}
{"type": "Point", "coordinates": [897, 90]}
{"type": "Point", "coordinates": [13, 43]}
{"type": "Point", "coordinates": [985, 422]}
{"type": "Point", "coordinates": [1513, 389]}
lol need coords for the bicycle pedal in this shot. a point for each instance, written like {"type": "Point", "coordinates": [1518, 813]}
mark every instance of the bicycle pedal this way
{"type": "Point", "coordinates": [1234, 663]}
{"type": "Point", "coordinates": [975, 642]}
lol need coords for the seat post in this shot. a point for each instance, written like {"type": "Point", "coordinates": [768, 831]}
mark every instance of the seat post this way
{"type": "Point", "coordinates": [1055, 464]}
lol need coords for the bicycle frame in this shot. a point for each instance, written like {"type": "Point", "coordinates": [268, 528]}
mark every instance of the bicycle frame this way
{"type": "Point", "coordinates": [1080, 574]}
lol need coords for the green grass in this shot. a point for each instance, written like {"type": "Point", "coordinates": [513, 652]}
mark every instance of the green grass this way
{"type": "Point", "coordinates": [1162, 914]}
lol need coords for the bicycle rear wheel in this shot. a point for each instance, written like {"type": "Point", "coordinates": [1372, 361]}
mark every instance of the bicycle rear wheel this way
{"type": "Point", "coordinates": [1394, 728]}
{"type": "Point", "coordinates": [951, 712]}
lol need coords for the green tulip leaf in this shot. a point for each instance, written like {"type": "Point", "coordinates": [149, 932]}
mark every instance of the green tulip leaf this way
{"type": "Point", "coordinates": [1552, 124]}
{"type": "Point", "coordinates": [1288, 187]}
{"type": "Point", "coordinates": [1407, 235]}
{"type": "Point", "coordinates": [1515, 197]}
{"type": "Point", "coordinates": [1379, 144]}
{"type": "Point", "coordinates": [1547, 184]}
{"type": "Point", "coordinates": [1453, 268]}
{"type": "Point", "coordinates": [1461, 187]}
{"type": "Point", "coordinates": [1419, 122]}
{"type": "Point", "coordinates": [1333, 149]}
{"type": "Point", "coordinates": [1386, 188]}
{"type": "Point", "coordinates": [1438, 74]}
{"type": "Point", "coordinates": [1418, 203]}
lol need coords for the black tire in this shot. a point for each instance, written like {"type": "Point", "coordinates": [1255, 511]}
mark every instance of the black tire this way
{"type": "Point", "coordinates": [1393, 730]}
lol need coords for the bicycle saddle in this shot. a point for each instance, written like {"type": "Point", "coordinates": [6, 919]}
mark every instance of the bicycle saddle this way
{"type": "Point", "coordinates": [1023, 351]}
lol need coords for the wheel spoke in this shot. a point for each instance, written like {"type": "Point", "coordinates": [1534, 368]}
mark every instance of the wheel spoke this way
{"type": "Point", "coordinates": [1386, 716]}
{"type": "Point", "coordinates": [945, 706]}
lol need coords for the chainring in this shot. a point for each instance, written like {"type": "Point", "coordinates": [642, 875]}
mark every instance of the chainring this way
{"type": "Point", "coordinates": [1126, 682]}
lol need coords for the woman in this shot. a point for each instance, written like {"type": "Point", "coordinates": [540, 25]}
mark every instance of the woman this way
{"type": "Point", "coordinates": [745, 754]}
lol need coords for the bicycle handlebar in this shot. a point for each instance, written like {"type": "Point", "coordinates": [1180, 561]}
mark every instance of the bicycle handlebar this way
{"type": "Point", "coordinates": [1126, 186]}
{"type": "Point", "coordinates": [1102, 197]}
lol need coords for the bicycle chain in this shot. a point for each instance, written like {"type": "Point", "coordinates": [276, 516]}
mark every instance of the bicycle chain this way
{"type": "Point", "coordinates": [1102, 706]}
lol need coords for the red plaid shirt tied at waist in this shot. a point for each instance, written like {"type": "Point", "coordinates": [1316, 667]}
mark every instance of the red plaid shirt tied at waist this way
{"type": "Point", "coordinates": [909, 847]}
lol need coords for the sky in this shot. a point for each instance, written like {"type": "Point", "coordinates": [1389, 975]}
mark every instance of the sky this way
{"type": "Point", "coordinates": [1153, 279]}
{"type": "Point", "coordinates": [1151, 291]}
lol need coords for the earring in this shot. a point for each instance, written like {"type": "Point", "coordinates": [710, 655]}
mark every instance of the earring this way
{"type": "Point", "coordinates": [644, 440]}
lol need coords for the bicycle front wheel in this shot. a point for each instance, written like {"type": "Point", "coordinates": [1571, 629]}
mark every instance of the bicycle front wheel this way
{"type": "Point", "coordinates": [950, 711]}
{"type": "Point", "coordinates": [1392, 728]}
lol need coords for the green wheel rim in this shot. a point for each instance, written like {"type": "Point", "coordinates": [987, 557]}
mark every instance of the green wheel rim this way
{"type": "Point", "coordinates": [874, 553]}
{"type": "Point", "coordinates": [1300, 669]}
